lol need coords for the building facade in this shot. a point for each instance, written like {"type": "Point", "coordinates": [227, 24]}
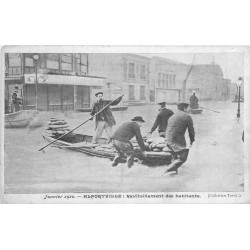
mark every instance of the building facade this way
{"type": "Point", "coordinates": [62, 81]}
{"type": "Point", "coordinates": [69, 81]}
{"type": "Point", "coordinates": [166, 79]}
{"type": "Point", "coordinates": [206, 81]}
{"type": "Point", "coordinates": [124, 73]}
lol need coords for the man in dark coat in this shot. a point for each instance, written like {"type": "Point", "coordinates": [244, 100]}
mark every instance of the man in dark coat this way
{"type": "Point", "coordinates": [175, 136]}
{"type": "Point", "coordinates": [194, 102]}
{"type": "Point", "coordinates": [16, 101]}
{"type": "Point", "coordinates": [104, 120]}
{"type": "Point", "coordinates": [162, 119]}
{"type": "Point", "coordinates": [121, 141]}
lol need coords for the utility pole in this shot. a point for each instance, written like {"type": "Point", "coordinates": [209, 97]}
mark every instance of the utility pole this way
{"type": "Point", "coordinates": [185, 80]}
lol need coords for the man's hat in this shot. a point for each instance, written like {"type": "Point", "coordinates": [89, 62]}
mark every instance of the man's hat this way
{"type": "Point", "coordinates": [182, 105]}
{"type": "Point", "coordinates": [137, 119]}
{"type": "Point", "coordinates": [162, 102]}
{"type": "Point", "coordinates": [96, 94]}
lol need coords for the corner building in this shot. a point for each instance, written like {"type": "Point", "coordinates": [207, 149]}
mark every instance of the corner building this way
{"type": "Point", "coordinates": [64, 82]}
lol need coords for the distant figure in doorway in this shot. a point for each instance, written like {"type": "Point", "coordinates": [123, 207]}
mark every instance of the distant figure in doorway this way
{"type": "Point", "coordinates": [194, 102]}
{"type": "Point", "coordinates": [121, 141]}
{"type": "Point", "coordinates": [162, 119]}
{"type": "Point", "coordinates": [104, 120]}
{"type": "Point", "coordinates": [16, 101]}
{"type": "Point", "coordinates": [178, 123]}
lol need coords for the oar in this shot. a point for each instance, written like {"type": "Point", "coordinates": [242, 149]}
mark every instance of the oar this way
{"type": "Point", "coordinates": [80, 124]}
{"type": "Point", "coordinates": [210, 109]}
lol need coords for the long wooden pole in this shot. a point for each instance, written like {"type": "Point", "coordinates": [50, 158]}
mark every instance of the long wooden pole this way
{"type": "Point", "coordinates": [185, 80]}
{"type": "Point", "coordinates": [80, 124]}
{"type": "Point", "coordinates": [209, 109]}
{"type": "Point", "coordinates": [36, 85]}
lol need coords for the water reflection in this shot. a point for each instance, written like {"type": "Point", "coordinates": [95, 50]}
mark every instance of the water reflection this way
{"type": "Point", "coordinates": [215, 162]}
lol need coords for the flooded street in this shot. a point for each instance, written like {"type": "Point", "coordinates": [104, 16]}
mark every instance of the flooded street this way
{"type": "Point", "coordinates": [215, 161]}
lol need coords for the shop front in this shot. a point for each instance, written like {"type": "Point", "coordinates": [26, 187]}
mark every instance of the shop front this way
{"type": "Point", "coordinates": [59, 93]}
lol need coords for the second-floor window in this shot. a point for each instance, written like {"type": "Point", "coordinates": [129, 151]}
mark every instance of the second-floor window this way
{"type": "Point", "coordinates": [29, 64]}
{"type": "Point", "coordinates": [163, 80]}
{"type": "Point", "coordinates": [167, 80]}
{"type": "Point", "coordinates": [67, 63]}
{"type": "Point", "coordinates": [159, 79]}
{"type": "Point", "coordinates": [15, 64]}
{"type": "Point", "coordinates": [173, 81]}
{"type": "Point", "coordinates": [143, 71]}
{"type": "Point", "coordinates": [81, 63]}
{"type": "Point", "coordinates": [52, 63]}
{"type": "Point", "coordinates": [131, 70]}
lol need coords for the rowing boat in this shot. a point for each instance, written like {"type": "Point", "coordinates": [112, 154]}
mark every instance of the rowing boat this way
{"type": "Point", "coordinates": [19, 119]}
{"type": "Point", "coordinates": [195, 111]}
{"type": "Point", "coordinates": [236, 101]}
{"type": "Point", "coordinates": [83, 144]}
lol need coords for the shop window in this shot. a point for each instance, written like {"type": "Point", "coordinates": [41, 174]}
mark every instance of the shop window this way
{"type": "Point", "coordinates": [54, 91]}
{"type": "Point", "coordinates": [143, 71]}
{"type": "Point", "coordinates": [30, 96]}
{"type": "Point", "coordinates": [83, 97]}
{"type": "Point", "coordinates": [15, 64]}
{"type": "Point", "coordinates": [67, 97]}
{"type": "Point", "coordinates": [42, 96]}
{"type": "Point", "coordinates": [131, 70]}
{"type": "Point", "coordinates": [52, 63]}
{"type": "Point", "coordinates": [67, 63]}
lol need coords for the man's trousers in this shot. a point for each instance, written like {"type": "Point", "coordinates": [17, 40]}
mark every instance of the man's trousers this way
{"type": "Point", "coordinates": [102, 125]}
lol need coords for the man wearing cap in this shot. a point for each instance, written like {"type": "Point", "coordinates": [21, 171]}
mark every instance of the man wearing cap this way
{"type": "Point", "coordinates": [162, 119]}
{"type": "Point", "coordinates": [16, 101]}
{"type": "Point", "coordinates": [121, 141]}
{"type": "Point", "coordinates": [104, 120]}
{"type": "Point", "coordinates": [178, 123]}
{"type": "Point", "coordinates": [194, 102]}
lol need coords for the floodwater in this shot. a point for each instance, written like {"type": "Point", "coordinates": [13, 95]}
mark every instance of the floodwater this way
{"type": "Point", "coordinates": [215, 161]}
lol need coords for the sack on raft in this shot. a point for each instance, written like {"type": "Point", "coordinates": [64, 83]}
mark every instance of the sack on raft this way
{"type": "Point", "coordinates": [58, 127]}
{"type": "Point", "coordinates": [156, 150]}
{"type": "Point", "coordinates": [167, 149]}
{"type": "Point", "coordinates": [161, 145]}
{"type": "Point", "coordinates": [156, 140]}
{"type": "Point", "coordinates": [104, 149]}
{"type": "Point", "coordinates": [57, 123]}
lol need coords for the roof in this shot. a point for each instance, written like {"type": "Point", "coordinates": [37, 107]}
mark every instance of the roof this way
{"type": "Point", "coordinates": [136, 55]}
{"type": "Point", "coordinates": [168, 60]}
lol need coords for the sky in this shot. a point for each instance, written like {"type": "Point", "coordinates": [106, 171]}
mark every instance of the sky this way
{"type": "Point", "coordinates": [232, 64]}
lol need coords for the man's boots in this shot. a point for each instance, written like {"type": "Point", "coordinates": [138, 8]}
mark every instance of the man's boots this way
{"type": "Point", "coordinates": [116, 161]}
{"type": "Point", "coordinates": [130, 161]}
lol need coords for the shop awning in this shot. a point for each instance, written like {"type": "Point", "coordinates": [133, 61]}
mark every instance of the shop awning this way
{"type": "Point", "coordinates": [64, 79]}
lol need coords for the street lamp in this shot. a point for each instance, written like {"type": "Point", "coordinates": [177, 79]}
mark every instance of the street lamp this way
{"type": "Point", "coordinates": [35, 61]}
{"type": "Point", "coordinates": [239, 83]}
